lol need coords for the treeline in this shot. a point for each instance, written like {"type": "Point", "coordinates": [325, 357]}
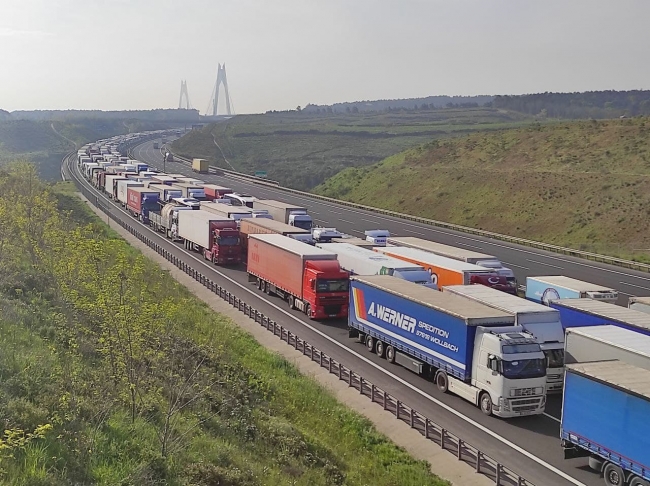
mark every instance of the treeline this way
{"type": "Point", "coordinates": [168, 115]}
{"type": "Point", "coordinates": [429, 102]}
{"type": "Point", "coordinates": [590, 104]}
{"type": "Point", "coordinates": [112, 373]}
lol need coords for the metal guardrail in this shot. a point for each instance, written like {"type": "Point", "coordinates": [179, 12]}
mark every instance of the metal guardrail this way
{"type": "Point", "coordinates": [455, 227]}
{"type": "Point", "coordinates": [462, 450]}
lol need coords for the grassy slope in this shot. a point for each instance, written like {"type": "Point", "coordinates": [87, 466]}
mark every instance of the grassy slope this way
{"type": "Point", "coordinates": [580, 184]}
{"type": "Point", "coordinates": [302, 150]}
{"type": "Point", "coordinates": [272, 426]}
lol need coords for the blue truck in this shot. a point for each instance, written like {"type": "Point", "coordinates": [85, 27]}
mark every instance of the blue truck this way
{"type": "Point", "coordinates": [551, 287]}
{"type": "Point", "coordinates": [465, 347]}
{"type": "Point", "coordinates": [587, 312]}
{"type": "Point", "coordinates": [606, 403]}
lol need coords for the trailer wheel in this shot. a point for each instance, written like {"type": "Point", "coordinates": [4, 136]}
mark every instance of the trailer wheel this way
{"type": "Point", "coordinates": [390, 354]}
{"type": "Point", "coordinates": [614, 475]}
{"type": "Point", "coordinates": [267, 288]}
{"type": "Point", "coordinates": [292, 302]}
{"type": "Point", "coordinates": [260, 284]}
{"type": "Point", "coordinates": [442, 381]}
{"type": "Point", "coordinates": [485, 402]}
{"type": "Point", "coordinates": [370, 343]}
{"type": "Point", "coordinates": [380, 348]}
{"type": "Point", "coordinates": [636, 481]}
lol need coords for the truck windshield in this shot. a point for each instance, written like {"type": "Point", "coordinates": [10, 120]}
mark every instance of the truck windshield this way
{"type": "Point", "coordinates": [523, 368]}
{"type": "Point", "coordinates": [520, 348]}
{"type": "Point", "coordinates": [228, 240]}
{"type": "Point", "coordinates": [554, 358]}
{"type": "Point", "coordinates": [339, 285]}
{"type": "Point", "coordinates": [306, 225]}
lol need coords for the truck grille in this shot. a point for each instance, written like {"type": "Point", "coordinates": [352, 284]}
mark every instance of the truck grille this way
{"type": "Point", "coordinates": [332, 309]}
{"type": "Point", "coordinates": [525, 405]}
{"type": "Point", "coordinates": [553, 377]}
{"type": "Point", "coordinates": [524, 392]}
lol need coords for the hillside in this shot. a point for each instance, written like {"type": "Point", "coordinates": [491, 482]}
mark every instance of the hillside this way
{"type": "Point", "coordinates": [302, 149]}
{"type": "Point", "coordinates": [580, 184]}
{"type": "Point", "coordinates": [37, 141]}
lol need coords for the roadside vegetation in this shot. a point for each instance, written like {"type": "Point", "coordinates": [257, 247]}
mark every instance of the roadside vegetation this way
{"type": "Point", "coordinates": [113, 373]}
{"type": "Point", "coordinates": [583, 184]}
{"type": "Point", "coordinates": [302, 149]}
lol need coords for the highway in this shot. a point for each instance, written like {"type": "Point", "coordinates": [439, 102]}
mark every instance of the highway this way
{"type": "Point", "coordinates": [528, 445]}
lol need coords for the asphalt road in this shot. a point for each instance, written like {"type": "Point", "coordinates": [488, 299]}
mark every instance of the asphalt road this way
{"type": "Point", "coordinates": [529, 445]}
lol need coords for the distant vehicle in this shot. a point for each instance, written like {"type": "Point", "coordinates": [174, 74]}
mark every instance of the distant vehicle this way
{"type": "Point", "coordinates": [156, 146]}
{"type": "Point", "coordinates": [169, 157]}
{"type": "Point", "coordinates": [237, 199]}
{"type": "Point", "coordinates": [200, 165]}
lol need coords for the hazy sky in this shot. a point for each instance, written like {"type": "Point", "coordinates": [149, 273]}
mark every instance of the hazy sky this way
{"type": "Point", "coordinates": [132, 54]}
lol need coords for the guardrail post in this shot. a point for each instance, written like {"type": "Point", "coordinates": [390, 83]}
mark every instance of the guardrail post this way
{"type": "Point", "coordinates": [460, 449]}
{"type": "Point", "coordinates": [426, 428]}
{"type": "Point", "coordinates": [398, 405]}
{"type": "Point", "coordinates": [385, 404]}
{"type": "Point", "coordinates": [361, 380]}
{"type": "Point", "coordinates": [372, 393]}
{"type": "Point", "coordinates": [443, 434]}
{"type": "Point", "coordinates": [479, 455]}
{"type": "Point", "coordinates": [497, 479]}
{"type": "Point", "coordinates": [349, 378]}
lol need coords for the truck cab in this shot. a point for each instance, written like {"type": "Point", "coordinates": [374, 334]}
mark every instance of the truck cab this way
{"type": "Point", "coordinates": [237, 199]}
{"type": "Point", "coordinates": [510, 366]}
{"type": "Point", "coordinates": [327, 289]}
{"type": "Point", "coordinates": [300, 219]}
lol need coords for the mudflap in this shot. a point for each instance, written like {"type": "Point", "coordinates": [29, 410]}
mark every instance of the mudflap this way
{"type": "Point", "coordinates": [572, 451]}
{"type": "Point", "coordinates": [352, 332]}
{"type": "Point", "coordinates": [252, 278]}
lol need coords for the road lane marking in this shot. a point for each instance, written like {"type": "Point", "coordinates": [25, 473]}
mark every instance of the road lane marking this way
{"type": "Point", "coordinates": [373, 221]}
{"type": "Point", "coordinates": [632, 285]}
{"type": "Point", "coordinates": [552, 417]}
{"type": "Point", "coordinates": [414, 232]}
{"type": "Point", "coordinates": [470, 246]}
{"type": "Point", "coordinates": [543, 263]}
{"type": "Point", "coordinates": [514, 265]}
{"type": "Point", "coordinates": [346, 221]}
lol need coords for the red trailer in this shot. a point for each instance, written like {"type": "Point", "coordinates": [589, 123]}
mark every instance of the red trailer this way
{"type": "Point", "coordinates": [308, 278]}
{"type": "Point", "coordinates": [140, 201]}
{"type": "Point", "coordinates": [213, 191]}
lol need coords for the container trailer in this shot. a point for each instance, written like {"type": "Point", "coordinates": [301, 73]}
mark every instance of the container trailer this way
{"type": "Point", "coordinates": [539, 320]}
{"type": "Point", "coordinates": [251, 226]}
{"type": "Point", "coordinates": [587, 312]}
{"type": "Point", "coordinates": [214, 191]}
{"type": "Point", "coordinates": [167, 193]}
{"type": "Point", "coordinates": [287, 213]}
{"type": "Point", "coordinates": [465, 347]}
{"type": "Point", "coordinates": [141, 201]}
{"type": "Point", "coordinates": [551, 287]}
{"type": "Point", "coordinates": [445, 271]}
{"type": "Point", "coordinates": [236, 213]}
{"type": "Point", "coordinates": [110, 184]}
{"type": "Point", "coordinates": [461, 254]}
{"type": "Point", "coordinates": [361, 261]}
{"type": "Point", "coordinates": [308, 278]}
{"type": "Point", "coordinates": [190, 190]}
{"type": "Point", "coordinates": [122, 189]}
{"type": "Point", "coordinates": [200, 165]}
{"type": "Point", "coordinates": [214, 236]}
{"type": "Point", "coordinates": [606, 403]}
{"type": "Point", "coordinates": [164, 179]}
{"type": "Point", "coordinates": [641, 304]}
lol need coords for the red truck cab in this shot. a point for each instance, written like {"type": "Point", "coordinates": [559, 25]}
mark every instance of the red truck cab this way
{"type": "Point", "coordinates": [226, 248]}
{"type": "Point", "coordinates": [326, 289]}
{"type": "Point", "coordinates": [495, 281]}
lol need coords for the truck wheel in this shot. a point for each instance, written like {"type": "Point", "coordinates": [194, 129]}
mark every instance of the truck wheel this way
{"type": "Point", "coordinates": [267, 288]}
{"type": "Point", "coordinates": [370, 344]}
{"type": "Point", "coordinates": [614, 475]}
{"type": "Point", "coordinates": [379, 348]}
{"type": "Point", "coordinates": [390, 354]}
{"type": "Point", "coordinates": [485, 402]}
{"type": "Point", "coordinates": [362, 337]}
{"type": "Point", "coordinates": [442, 382]}
{"type": "Point", "coordinates": [260, 284]}
{"type": "Point", "coordinates": [639, 482]}
{"type": "Point", "coordinates": [292, 303]}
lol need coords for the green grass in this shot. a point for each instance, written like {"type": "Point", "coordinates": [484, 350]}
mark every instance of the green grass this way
{"type": "Point", "coordinates": [302, 150]}
{"type": "Point", "coordinates": [257, 420]}
{"type": "Point", "coordinates": [584, 184]}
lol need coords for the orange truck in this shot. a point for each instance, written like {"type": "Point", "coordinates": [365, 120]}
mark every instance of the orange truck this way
{"type": "Point", "coordinates": [446, 271]}
{"type": "Point", "coordinates": [310, 279]}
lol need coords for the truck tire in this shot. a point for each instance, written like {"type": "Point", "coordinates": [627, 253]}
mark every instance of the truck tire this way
{"type": "Point", "coordinates": [370, 343]}
{"type": "Point", "coordinates": [613, 475]}
{"type": "Point", "coordinates": [260, 284]}
{"type": "Point", "coordinates": [485, 403]}
{"type": "Point", "coordinates": [442, 381]}
{"type": "Point", "coordinates": [380, 348]}
{"type": "Point", "coordinates": [292, 303]}
{"type": "Point", "coordinates": [637, 481]}
{"type": "Point", "coordinates": [390, 354]}
{"type": "Point", "coordinates": [308, 310]}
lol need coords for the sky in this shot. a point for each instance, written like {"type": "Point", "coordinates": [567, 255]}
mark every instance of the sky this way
{"type": "Point", "coordinates": [279, 54]}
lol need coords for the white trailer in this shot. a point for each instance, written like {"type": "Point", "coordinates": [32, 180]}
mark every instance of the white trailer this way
{"type": "Point", "coordinates": [641, 304]}
{"type": "Point", "coordinates": [122, 189]}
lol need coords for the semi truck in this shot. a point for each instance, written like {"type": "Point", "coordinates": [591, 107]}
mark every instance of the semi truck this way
{"type": "Point", "coordinates": [122, 189]}
{"type": "Point", "coordinates": [606, 403]}
{"type": "Point", "coordinates": [214, 191]}
{"type": "Point", "coordinates": [190, 190]}
{"type": "Point", "coordinates": [164, 179]}
{"type": "Point", "coordinates": [445, 271]}
{"type": "Point", "coordinates": [360, 242]}
{"type": "Point", "coordinates": [361, 261]}
{"type": "Point", "coordinates": [167, 193]}
{"type": "Point", "coordinates": [465, 347]}
{"type": "Point", "coordinates": [141, 201]}
{"type": "Point", "coordinates": [200, 165]}
{"type": "Point", "coordinates": [587, 312]}
{"type": "Point", "coordinates": [252, 226]}
{"type": "Point", "coordinates": [641, 304]}
{"type": "Point", "coordinates": [461, 254]}
{"type": "Point", "coordinates": [550, 287]}
{"type": "Point", "coordinates": [539, 320]}
{"type": "Point", "coordinates": [166, 221]}
{"type": "Point", "coordinates": [211, 235]}
{"type": "Point", "coordinates": [287, 213]}
{"type": "Point", "coordinates": [227, 211]}
{"type": "Point", "coordinates": [308, 278]}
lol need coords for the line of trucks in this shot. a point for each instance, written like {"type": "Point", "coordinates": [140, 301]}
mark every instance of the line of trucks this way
{"type": "Point", "coordinates": [449, 315]}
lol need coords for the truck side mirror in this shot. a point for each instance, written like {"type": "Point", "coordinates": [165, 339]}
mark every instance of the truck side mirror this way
{"type": "Point", "coordinates": [493, 363]}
